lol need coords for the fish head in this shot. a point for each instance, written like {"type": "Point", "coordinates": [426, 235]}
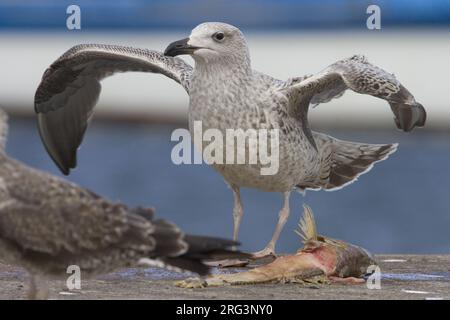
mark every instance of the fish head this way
{"type": "Point", "coordinates": [337, 257]}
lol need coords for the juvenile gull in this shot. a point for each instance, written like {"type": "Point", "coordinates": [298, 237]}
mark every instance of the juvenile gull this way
{"type": "Point", "coordinates": [226, 93]}
{"type": "Point", "coordinates": [48, 224]}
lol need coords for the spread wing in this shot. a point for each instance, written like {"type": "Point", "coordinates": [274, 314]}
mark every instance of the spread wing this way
{"type": "Point", "coordinates": [357, 74]}
{"type": "Point", "coordinates": [70, 88]}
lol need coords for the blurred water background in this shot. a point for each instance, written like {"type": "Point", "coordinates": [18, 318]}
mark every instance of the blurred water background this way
{"type": "Point", "coordinates": [401, 206]}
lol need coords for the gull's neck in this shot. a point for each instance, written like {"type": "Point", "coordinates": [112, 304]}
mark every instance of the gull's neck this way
{"type": "Point", "coordinates": [224, 70]}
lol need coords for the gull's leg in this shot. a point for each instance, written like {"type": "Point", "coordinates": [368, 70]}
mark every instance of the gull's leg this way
{"type": "Point", "coordinates": [38, 288]}
{"type": "Point", "coordinates": [269, 250]}
{"type": "Point", "coordinates": [237, 217]}
{"type": "Point", "coordinates": [237, 211]}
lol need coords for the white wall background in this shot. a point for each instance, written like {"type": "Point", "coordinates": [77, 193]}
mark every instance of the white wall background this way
{"type": "Point", "coordinates": [420, 60]}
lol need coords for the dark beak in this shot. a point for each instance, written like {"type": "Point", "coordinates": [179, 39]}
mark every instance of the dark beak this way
{"type": "Point", "coordinates": [179, 47]}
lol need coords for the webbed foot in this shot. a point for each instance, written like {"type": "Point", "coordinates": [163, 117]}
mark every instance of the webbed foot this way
{"type": "Point", "coordinates": [264, 253]}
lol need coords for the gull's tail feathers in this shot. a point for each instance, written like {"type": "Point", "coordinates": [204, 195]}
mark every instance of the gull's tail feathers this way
{"type": "Point", "coordinates": [345, 161]}
{"type": "Point", "coordinates": [199, 250]}
{"type": "Point", "coordinates": [177, 251]}
{"type": "Point", "coordinates": [202, 249]}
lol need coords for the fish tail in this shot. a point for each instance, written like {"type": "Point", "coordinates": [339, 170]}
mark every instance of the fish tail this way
{"type": "Point", "coordinates": [307, 226]}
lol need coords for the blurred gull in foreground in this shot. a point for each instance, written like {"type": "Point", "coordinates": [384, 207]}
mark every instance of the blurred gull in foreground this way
{"type": "Point", "coordinates": [226, 93]}
{"type": "Point", "coordinates": [48, 224]}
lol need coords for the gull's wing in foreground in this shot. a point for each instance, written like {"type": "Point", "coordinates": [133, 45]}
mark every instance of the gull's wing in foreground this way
{"type": "Point", "coordinates": [49, 223]}
{"type": "Point", "coordinates": [70, 88]}
{"type": "Point", "coordinates": [357, 74]}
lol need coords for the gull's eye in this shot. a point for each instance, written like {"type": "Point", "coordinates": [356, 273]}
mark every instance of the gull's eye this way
{"type": "Point", "coordinates": [218, 36]}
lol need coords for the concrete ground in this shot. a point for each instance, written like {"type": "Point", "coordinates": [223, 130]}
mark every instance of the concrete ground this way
{"type": "Point", "coordinates": [403, 277]}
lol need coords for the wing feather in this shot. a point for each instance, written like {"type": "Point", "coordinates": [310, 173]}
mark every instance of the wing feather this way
{"type": "Point", "coordinates": [357, 74]}
{"type": "Point", "coordinates": [70, 88]}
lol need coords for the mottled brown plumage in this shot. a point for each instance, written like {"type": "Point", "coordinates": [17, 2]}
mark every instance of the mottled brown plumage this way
{"type": "Point", "coordinates": [48, 224]}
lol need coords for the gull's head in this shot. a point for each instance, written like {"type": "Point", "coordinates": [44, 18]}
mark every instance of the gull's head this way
{"type": "Point", "coordinates": [211, 41]}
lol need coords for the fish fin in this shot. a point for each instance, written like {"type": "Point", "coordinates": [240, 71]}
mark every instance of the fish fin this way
{"type": "Point", "coordinates": [307, 225]}
{"type": "Point", "coordinates": [334, 242]}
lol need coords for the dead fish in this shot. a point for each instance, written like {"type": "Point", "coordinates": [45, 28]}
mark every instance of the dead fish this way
{"type": "Point", "coordinates": [322, 260]}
